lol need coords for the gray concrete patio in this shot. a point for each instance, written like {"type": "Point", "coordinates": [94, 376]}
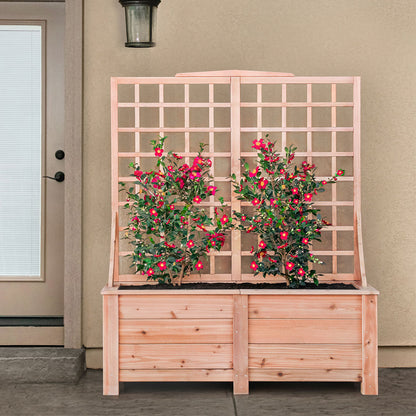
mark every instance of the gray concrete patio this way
{"type": "Point", "coordinates": [397, 397]}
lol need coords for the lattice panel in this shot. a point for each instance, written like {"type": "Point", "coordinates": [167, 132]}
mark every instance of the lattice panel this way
{"type": "Point", "coordinates": [320, 115]}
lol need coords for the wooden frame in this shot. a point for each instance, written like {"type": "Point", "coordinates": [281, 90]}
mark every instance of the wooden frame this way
{"type": "Point", "coordinates": [242, 335]}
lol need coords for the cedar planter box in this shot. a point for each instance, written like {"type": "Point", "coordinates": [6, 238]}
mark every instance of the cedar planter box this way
{"type": "Point", "coordinates": [242, 335]}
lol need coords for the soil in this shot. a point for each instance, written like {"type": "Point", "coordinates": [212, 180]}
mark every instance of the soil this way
{"type": "Point", "coordinates": [195, 286]}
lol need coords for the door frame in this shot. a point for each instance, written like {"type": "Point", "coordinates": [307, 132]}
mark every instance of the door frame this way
{"type": "Point", "coordinates": [73, 178]}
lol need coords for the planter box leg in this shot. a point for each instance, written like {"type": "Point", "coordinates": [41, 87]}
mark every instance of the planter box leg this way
{"type": "Point", "coordinates": [369, 384]}
{"type": "Point", "coordinates": [110, 346]}
{"type": "Point", "coordinates": [240, 347]}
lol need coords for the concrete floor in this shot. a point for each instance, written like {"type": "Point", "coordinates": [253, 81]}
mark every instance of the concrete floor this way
{"type": "Point", "coordinates": [397, 397]}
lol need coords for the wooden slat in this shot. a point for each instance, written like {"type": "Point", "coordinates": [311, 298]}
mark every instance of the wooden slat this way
{"type": "Point", "coordinates": [359, 267]}
{"type": "Point", "coordinates": [177, 375]}
{"type": "Point", "coordinates": [166, 356]}
{"type": "Point", "coordinates": [234, 73]}
{"type": "Point", "coordinates": [240, 344]}
{"type": "Point", "coordinates": [333, 356]}
{"type": "Point", "coordinates": [293, 104]}
{"type": "Point", "coordinates": [114, 173]}
{"type": "Point", "coordinates": [369, 340]}
{"type": "Point", "coordinates": [308, 153]}
{"type": "Point", "coordinates": [173, 129]}
{"type": "Point", "coordinates": [176, 331]}
{"type": "Point", "coordinates": [176, 105]}
{"type": "Point", "coordinates": [235, 168]}
{"type": "Point", "coordinates": [297, 374]}
{"type": "Point", "coordinates": [172, 80]}
{"type": "Point", "coordinates": [298, 306]}
{"type": "Point", "coordinates": [176, 307]}
{"type": "Point", "coordinates": [114, 254]}
{"type": "Point", "coordinates": [293, 129]}
{"type": "Point", "coordinates": [296, 80]}
{"type": "Point", "coordinates": [110, 345]}
{"type": "Point", "coordinates": [313, 331]}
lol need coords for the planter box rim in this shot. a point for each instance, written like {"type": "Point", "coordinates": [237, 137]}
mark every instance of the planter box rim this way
{"type": "Point", "coordinates": [359, 291]}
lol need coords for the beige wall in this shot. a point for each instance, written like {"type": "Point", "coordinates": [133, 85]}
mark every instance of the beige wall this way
{"type": "Point", "coordinates": [372, 38]}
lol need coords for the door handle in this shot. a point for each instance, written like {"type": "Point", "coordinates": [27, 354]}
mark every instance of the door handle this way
{"type": "Point", "coordinates": [59, 177]}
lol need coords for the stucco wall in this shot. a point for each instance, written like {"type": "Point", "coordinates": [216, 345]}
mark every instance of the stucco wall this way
{"type": "Point", "coordinates": [375, 39]}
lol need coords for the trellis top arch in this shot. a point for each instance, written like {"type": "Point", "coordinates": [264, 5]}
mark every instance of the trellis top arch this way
{"type": "Point", "coordinates": [319, 114]}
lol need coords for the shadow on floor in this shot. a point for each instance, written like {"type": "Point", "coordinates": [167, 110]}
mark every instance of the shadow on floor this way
{"type": "Point", "coordinates": [397, 398]}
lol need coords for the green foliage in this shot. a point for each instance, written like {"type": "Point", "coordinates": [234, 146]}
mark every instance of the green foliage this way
{"type": "Point", "coordinates": [284, 217]}
{"type": "Point", "coordinates": [169, 229]}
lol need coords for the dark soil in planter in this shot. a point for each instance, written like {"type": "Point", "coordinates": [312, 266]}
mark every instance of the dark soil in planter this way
{"type": "Point", "coordinates": [195, 286]}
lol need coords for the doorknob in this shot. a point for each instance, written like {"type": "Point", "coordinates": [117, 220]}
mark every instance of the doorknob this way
{"type": "Point", "coordinates": [59, 177]}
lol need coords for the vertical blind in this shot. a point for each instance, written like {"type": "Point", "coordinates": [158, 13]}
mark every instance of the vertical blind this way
{"type": "Point", "coordinates": [20, 150]}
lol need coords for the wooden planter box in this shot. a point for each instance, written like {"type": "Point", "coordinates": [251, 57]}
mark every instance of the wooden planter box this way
{"type": "Point", "coordinates": [242, 335]}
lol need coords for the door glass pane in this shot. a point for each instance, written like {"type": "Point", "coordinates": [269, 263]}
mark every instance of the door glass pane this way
{"type": "Point", "coordinates": [20, 150]}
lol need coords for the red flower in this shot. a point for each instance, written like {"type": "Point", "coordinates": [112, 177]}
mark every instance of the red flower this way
{"type": "Point", "coordinates": [296, 201]}
{"type": "Point", "coordinates": [170, 168]}
{"type": "Point", "coordinates": [295, 191]}
{"type": "Point", "coordinates": [282, 246]}
{"type": "Point", "coordinates": [281, 171]}
{"type": "Point", "coordinates": [340, 172]}
{"type": "Point", "coordinates": [253, 173]}
{"type": "Point", "coordinates": [254, 266]}
{"type": "Point", "coordinates": [150, 272]}
{"type": "Point", "coordinates": [308, 197]}
{"type": "Point", "coordinates": [305, 240]}
{"type": "Point", "coordinates": [176, 156]}
{"type": "Point", "coordinates": [250, 229]}
{"type": "Point", "coordinates": [243, 218]}
{"type": "Point", "coordinates": [255, 201]}
{"type": "Point", "coordinates": [197, 199]}
{"type": "Point", "coordinates": [224, 219]}
{"type": "Point", "coordinates": [172, 207]}
{"type": "Point", "coordinates": [258, 144]}
{"type": "Point", "coordinates": [301, 272]}
{"type": "Point", "coordinates": [212, 189]}
{"type": "Point", "coordinates": [324, 182]}
{"type": "Point", "coordinates": [289, 266]}
{"type": "Point", "coordinates": [263, 183]}
{"type": "Point", "coordinates": [284, 235]}
{"type": "Point", "coordinates": [190, 243]}
{"type": "Point", "coordinates": [262, 244]}
{"type": "Point", "coordinates": [158, 152]}
{"type": "Point", "coordinates": [198, 161]}
{"type": "Point", "coordinates": [138, 174]}
{"type": "Point", "coordinates": [162, 265]}
{"type": "Point", "coordinates": [153, 212]}
{"type": "Point", "coordinates": [199, 265]}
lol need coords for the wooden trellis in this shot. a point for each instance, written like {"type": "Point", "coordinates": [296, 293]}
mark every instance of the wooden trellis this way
{"type": "Point", "coordinates": [227, 110]}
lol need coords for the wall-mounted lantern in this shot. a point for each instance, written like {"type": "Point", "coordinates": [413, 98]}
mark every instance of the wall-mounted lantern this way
{"type": "Point", "coordinates": [140, 22]}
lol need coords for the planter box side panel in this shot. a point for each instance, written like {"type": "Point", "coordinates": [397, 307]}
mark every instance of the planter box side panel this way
{"type": "Point", "coordinates": [174, 337]}
{"type": "Point", "coordinates": [305, 338]}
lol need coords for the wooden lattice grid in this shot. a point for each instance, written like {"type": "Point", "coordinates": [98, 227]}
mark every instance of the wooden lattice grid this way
{"type": "Point", "coordinates": [227, 110]}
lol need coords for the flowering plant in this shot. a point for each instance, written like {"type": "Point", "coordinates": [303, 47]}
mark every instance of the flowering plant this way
{"type": "Point", "coordinates": [284, 219]}
{"type": "Point", "coordinates": [169, 229]}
